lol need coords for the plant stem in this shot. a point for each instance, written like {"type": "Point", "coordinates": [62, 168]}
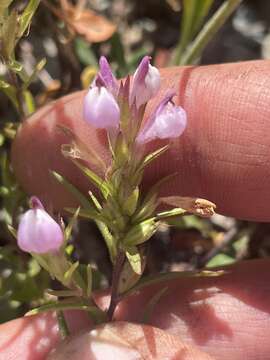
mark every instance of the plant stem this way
{"type": "Point", "coordinates": [115, 283]}
{"type": "Point", "coordinates": [63, 327]}
{"type": "Point", "coordinates": [208, 31]}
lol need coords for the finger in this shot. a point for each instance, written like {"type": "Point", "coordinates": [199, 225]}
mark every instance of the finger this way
{"type": "Point", "coordinates": [226, 316]}
{"type": "Point", "coordinates": [33, 337]}
{"type": "Point", "coordinates": [222, 156]}
{"type": "Point", "coordinates": [125, 341]}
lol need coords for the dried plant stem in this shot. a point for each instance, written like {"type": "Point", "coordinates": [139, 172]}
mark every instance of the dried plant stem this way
{"type": "Point", "coordinates": [207, 33]}
{"type": "Point", "coordinates": [115, 283]}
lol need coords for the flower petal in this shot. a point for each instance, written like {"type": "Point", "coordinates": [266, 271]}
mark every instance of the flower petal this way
{"type": "Point", "coordinates": [146, 83]}
{"type": "Point", "coordinates": [101, 109]}
{"type": "Point", "coordinates": [38, 232]}
{"type": "Point", "coordinates": [168, 121]}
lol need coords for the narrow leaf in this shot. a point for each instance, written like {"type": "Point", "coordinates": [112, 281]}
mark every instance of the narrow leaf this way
{"type": "Point", "coordinates": [154, 155]}
{"type": "Point", "coordinates": [39, 66]}
{"type": "Point", "coordinates": [9, 31]}
{"type": "Point", "coordinates": [94, 178]}
{"type": "Point", "coordinates": [134, 258]}
{"type": "Point", "coordinates": [70, 272]}
{"type": "Point", "coordinates": [71, 224]}
{"type": "Point", "coordinates": [27, 15]}
{"type": "Point", "coordinates": [77, 194]}
{"type": "Point", "coordinates": [66, 305]}
{"type": "Point", "coordinates": [89, 280]}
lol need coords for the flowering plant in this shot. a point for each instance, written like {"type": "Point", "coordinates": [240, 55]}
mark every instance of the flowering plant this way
{"type": "Point", "coordinates": [126, 218]}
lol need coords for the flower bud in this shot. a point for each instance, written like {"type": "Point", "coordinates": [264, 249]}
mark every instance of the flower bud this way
{"type": "Point", "coordinates": [168, 121]}
{"type": "Point", "coordinates": [107, 76]}
{"type": "Point", "coordinates": [101, 109]}
{"type": "Point", "coordinates": [38, 232]}
{"type": "Point", "coordinates": [146, 83]}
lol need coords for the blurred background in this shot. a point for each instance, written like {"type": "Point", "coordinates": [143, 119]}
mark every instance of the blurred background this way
{"type": "Point", "coordinates": [51, 48]}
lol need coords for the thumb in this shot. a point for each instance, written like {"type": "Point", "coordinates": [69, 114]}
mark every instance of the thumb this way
{"type": "Point", "coordinates": [122, 341]}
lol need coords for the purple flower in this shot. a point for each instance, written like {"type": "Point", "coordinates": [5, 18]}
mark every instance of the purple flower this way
{"type": "Point", "coordinates": [168, 121]}
{"type": "Point", "coordinates": [101, 109]}
{"type": "Point", "coordinates": [38, 232]}
{"type": "Point", "coordinates": [106, 74]}
{"type": "Point", "coordinates": [146, 83]}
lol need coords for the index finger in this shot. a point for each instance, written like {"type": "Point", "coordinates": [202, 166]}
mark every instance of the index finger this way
{"type": "Point", "coordinates": [222, 156]}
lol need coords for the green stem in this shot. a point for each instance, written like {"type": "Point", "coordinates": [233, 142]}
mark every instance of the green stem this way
{"type": "Point", "coordinates": [63, 327]}
{"type": "Point", "coordinates": [208, 31]}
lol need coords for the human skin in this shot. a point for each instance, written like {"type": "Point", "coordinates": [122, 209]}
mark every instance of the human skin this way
{"type": "Point", "coordinates": [222, 156]}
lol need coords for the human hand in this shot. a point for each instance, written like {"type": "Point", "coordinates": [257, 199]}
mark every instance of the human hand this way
{"type": "Point", "coordinates": [223, 157]}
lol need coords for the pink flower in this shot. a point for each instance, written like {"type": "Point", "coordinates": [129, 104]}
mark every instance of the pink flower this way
{"type": "Point", "coordinates": [168, 121]}
{"type": "Point", "coordinates": [38, 232]}
{"type": "Point", "coordinates": [146, 83]}
{"type": "Point", "coordinates": [101, 109]}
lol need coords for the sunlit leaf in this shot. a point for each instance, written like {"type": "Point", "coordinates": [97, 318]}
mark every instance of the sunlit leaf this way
{"type": "Point", "coordinates": [134, 257]}
{"type": "Point", "coordinates": [94, 178]}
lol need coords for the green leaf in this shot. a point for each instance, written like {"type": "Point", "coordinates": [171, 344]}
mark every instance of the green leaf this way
{"type": "Point", "coordinates": [74, 191]}
{"type": "Point", "coordinates": [4, 4]}
{"type": "Point", "coordinates": [220, 260]}
{"type": "Point", "coordinates": [86, 214]}
{"type": "Point", "coordinates": [140, 233]}
{"type": "Point", "coordinates": [109, 240]}
{"type": "Point", "coordinates": [170, 213]}
{"type": "Point", "coordinates": [130, 204]}
{"type": "Point", "coordinates": [62, 293]}
{"type": "Point", "coordinates": [194, 12]}
{"type": "Point", "coordinates": [154, 155]}
{"type": "Point", "coordinates": [67, 305]}
{"type": "Point", "coordinates": [39, 66]}
{"type": "Point", "coordinates": [71, 224]}
{"type": "Point", "coordinates": [134, 257]}
{"type": "Point", "coordinates": [27, 15]}
{"type": "Point", "coordinates": [89, 280]}
{"type": "Point", "coordinates": [95, 201]}
{"type": "Point", "coordinates": [29, 102]}
{"type": "Point", "coordinates": [9, 32]}
{"type": "Point", "coordinates": [70, 272]}
{"type": "Point", "coordinates": [128, 277]}
{"type": "Point", "coordinates": [94, 178]}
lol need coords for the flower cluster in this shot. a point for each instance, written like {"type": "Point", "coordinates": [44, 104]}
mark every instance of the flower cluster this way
{"type": "Point", "coordinates": [108, 103]}
{"type": "Point", "coordinates": [126, 217]}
